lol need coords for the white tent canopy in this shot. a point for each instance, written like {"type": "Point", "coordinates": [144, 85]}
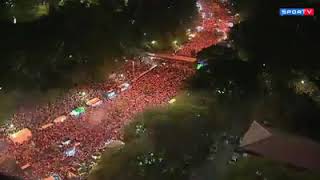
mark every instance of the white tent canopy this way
{"type": "Point", "coordinates": [21, 136]}
{"type": "Point", "coordinates": [60, 119]}
{"type": "Point", "coordinates": [94, 102]}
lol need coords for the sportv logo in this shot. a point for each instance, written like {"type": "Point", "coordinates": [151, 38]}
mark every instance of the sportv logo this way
{"type": "Point", "coordinates": [296, 12]}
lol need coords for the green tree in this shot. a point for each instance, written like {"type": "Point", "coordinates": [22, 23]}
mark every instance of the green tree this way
{"type": "Point", "coordinates": [226, 75]}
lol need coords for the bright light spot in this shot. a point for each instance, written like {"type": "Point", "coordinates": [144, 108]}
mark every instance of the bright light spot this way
{"type": "Point", "coordinates": [199, 66]}
{"type": "Point", "coordinates": [153, 42]}
{"type": "Point", "coordinates": [0, 88]}
{"type": "Point", "coordinates": [175, 42]}
{"type": "Point", "coordinates": [172, 101]}
{"type": "Point", "coordinates": [14, 20]}
{"type": "Point", "coordinates": [199, 6]}
{"type": "Point", "coordinates": [302, 81]}
{"type": "Point", "coordinates": [192, 35]}
{"type": "Point", "coordinates": [199, 28]}
{"type": "Point", "coordinates": [83, 93]}
{"type": "Point", "coordinates": [11, 125]}
{"type": "Point", "coordinates": [225, 36]}
{"type": "Point", "coordinates": [203, 15]}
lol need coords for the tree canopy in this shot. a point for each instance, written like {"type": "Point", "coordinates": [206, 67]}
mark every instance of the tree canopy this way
{"type": "Point", "coordinates": [74, 38]}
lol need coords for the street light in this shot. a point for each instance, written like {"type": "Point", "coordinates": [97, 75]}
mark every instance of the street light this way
{"type": "Point", "coordinates": [302, 81]}
{"type": "Point", "coordinates": [153, 42]}
{"type": "Point", "coordinates": [192, 35]}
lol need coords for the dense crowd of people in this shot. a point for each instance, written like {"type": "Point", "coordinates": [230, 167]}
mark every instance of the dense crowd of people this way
{"type": "Point", "coordinates": [214, 24]}
{"type": "Point", "coordinates": [90, 131]}
{"type": "Point", "coordinates": [87, 134]}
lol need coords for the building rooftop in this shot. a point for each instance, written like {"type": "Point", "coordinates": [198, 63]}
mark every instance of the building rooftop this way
{"type": "Point", "coordinates": [280, 146]}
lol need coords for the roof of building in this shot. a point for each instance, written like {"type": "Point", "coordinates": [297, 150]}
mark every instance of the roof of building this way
{"type": "Point", "coordinates": [283, 147]}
